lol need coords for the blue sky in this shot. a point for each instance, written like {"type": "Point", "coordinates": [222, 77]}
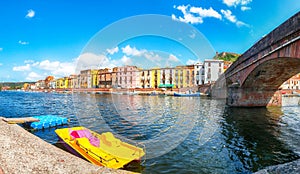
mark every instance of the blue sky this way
{"type": "Point", "coordinates": [40, 38]}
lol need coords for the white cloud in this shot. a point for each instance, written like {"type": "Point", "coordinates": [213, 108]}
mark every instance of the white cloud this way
{"type": "Point", "coordinates": [244, 8]}
{"type": "Point", "coordinates": [23, 42]}
{"type": "Point", "coordinates": [91, 60]}
{"type": "Point", "coordinates": [22, 68]}
{"type": "Point", "coordinates": [173, 58]}
{"type": "Point", "coordinates": [28, 61]}
{"type": "Point", "coordinates": [54, 68]}
{"type": "Point", "coordinates": [187, 16]}
{"type": "Point", "coordinates": [191, 62]}
{"type": "Point", "coordinates": [30, 14]}
{"type": "Point", "coordinates": [229, 16]}
{"type": "Point", "coordinates": [113, 50]}
{"type": "Point", "coordinates": [32, 76]}
{"type": "Point", "coordinates": [241, 24]}
{"type": "Point", "coordinates": [195, 15]}
{"type": "Point", "coordinates": [126, 60]}
{"type": "Point", "coordinates": [193, 35]}
{"type": "Point", "coordinates": [49, 66]}
{"type": "Point", "coordinates": [205, 12]}
{"type": "Point", "coordinates": [235, 3]}
{"type": "Point", "coordinates": [1, 64]}
{"type": "Point", "coordinates": [132, 51]}
{"type": "Point", "coordinates": [152, 57]}
{"type": "Point", "coordinates": [64, 69]}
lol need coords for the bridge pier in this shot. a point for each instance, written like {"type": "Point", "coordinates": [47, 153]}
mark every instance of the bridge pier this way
{"type": "Point", "coordinates": [249, 97]}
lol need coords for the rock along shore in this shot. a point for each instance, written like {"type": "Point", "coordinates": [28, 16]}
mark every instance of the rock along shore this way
{"type": "Point", "coordinates": [23, 152]}
{"type": "Point", "coordinates": [290, 168]}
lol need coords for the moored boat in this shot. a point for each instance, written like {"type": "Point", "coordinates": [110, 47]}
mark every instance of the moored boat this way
{"type": "Point", "coordinates": [187, 95]}
{"type": "Point", "coordinates": [100, 149]}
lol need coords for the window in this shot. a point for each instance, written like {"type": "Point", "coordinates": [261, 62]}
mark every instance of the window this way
{"type": "Point", "coordinates": [208, 76]}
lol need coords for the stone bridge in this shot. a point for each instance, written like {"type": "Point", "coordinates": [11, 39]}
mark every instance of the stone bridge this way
{"type": "Point", "coordinates": [254, 79]}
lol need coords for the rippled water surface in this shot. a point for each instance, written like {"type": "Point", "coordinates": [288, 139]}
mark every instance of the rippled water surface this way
{"type": "Point", "coordinates": [180, 135]}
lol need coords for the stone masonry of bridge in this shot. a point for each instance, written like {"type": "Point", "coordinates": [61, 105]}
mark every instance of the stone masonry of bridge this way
{"type": "Point", "coordinates": [253, 80]}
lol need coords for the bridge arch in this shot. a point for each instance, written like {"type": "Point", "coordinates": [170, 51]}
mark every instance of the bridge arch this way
{"type": "Point", "coordinates": [254, 79]}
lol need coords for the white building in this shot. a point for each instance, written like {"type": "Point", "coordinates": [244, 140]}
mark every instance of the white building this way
{"type": "Point", "coordinates": [167, 76]}
{"type": "Point", "coordinates": [52, 84]}
{"type": "Point", "coordinates": [199, 73]}
{"type": "Point", "coordinates": [212, 70]}
{"type": "Point", "coordinates": [293, 83]}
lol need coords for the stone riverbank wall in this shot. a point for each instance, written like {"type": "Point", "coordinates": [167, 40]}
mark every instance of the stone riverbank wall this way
{"type": "Point", "coordinates": [23, 152]}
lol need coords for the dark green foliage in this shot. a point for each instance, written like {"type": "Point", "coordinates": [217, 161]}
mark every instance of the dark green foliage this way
{"type": "Point", "coordinates": [227, 56]}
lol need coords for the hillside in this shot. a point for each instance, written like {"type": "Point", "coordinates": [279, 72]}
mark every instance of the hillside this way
{"type": "Point", "coordinates": [13, 85]}
{"type": "Point", "coordinates": [231, 57]}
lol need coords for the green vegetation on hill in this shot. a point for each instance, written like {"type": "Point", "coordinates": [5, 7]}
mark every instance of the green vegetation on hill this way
{"type": "Point", "coordinates": [227, 56]}
{"type": "Point", "coordinates": [13, 85]}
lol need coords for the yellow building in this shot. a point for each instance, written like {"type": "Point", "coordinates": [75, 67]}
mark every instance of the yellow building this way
{"type": "Point", "coordinates": [89, 78]}
{"type": "Point", "coordinates": [184, 76]}
{"type": "Point", "coordinates": [62, 83]}
{"type": "Point", "coordinates": [94, 76]}
{"type": "Point", "coordinates": [59, 83]}
{"type": "Point", "coordinates": [155, 77]}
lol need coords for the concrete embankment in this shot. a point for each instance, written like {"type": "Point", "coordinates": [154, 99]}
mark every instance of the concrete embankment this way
{"type": "Point", "coordinates": [22, 152]}
{"type": "Point", "coordinates": [290, 168]}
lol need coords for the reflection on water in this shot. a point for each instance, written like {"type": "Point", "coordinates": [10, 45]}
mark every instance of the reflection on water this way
{"type": "Point", "coordinates": [181, 135]}
{"type": "Point", "coordinates": [252, 137]}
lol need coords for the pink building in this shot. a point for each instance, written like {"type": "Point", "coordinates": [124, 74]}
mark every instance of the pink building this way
{"type": "Point", "coordinates": [128, 77]}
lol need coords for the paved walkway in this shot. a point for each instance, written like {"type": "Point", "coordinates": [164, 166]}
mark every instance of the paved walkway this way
{"type": "Point", "coordinates": [22, 152]}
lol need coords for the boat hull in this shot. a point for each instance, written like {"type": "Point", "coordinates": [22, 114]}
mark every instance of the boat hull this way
{"type": "Point", "coordinates": [187, 95]}
{"type": "Point", "coordinates": [100, 149]}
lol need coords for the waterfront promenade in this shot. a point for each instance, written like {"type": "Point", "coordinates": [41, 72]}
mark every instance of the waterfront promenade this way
{"type": "Point", "coordinates": [22, 152]}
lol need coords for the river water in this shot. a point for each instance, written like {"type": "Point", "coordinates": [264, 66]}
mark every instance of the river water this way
{"type": "Point", "coordinates": [179, 134]}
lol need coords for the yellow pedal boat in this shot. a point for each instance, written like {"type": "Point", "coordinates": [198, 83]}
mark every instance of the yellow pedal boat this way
{"type": "Point", "coordinates": [100, 149]}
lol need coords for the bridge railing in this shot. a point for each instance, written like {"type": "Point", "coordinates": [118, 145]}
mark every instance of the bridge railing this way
{"type": "Point", "coordinates": [287, 31]}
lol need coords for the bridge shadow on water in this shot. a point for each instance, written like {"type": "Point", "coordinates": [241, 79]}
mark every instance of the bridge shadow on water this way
{"type": "Point", "coordinates": [254, 138]}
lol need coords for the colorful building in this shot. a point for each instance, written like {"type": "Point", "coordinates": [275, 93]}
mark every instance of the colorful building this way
{"type": "Point", "coordinates": [88, 78]}
{"type": "Point", "coordinates": [133, 77]}
{"type": "Point", "coordinates": [94, 78]}
{"type": "Point", "coordinates": [104, 78]}
{"type": "Point", "coordinates": [114, 79]}
{"type": "Point", "coordinates": [167, 77]}
{"type": "Point", "coordinates": [155, 77]}
{"type": "Point", "coordinates": [128, 77]}
{"type": "Point", "coordinates": [145, 78]}
{"type": "Point", "coordinates": [72, 81]}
